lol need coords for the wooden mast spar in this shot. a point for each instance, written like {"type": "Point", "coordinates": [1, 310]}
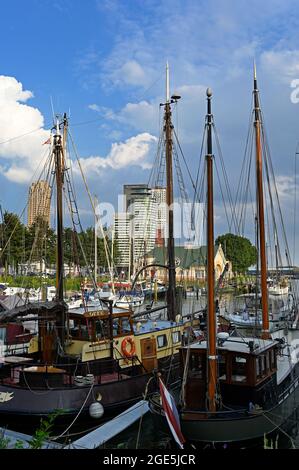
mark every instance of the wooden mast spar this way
{"type": "Point", "coordinates": [212, 357]}
{"type": "Point", "coordinates": [260, 210]}
{"type": "Point", "coordinates": [59, 167]}
{"type": "Point", "coordinates": [171, 300]}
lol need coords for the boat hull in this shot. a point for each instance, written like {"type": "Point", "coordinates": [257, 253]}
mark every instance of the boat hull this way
{"type": "Point", "coordinates": [41, 402]}
{"type": "Point", "coordinates": [234, 427]}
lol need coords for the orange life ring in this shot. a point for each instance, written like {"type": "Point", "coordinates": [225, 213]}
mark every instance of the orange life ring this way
{"type": "Point", "coordinates": [131, 352]}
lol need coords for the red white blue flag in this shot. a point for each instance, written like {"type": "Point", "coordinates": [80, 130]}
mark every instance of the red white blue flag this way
{"type": "Point", "coordinates": [171, 414]}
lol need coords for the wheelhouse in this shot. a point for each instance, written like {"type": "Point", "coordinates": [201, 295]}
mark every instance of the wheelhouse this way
{"type": "Point", "coordinates": [246, 372]}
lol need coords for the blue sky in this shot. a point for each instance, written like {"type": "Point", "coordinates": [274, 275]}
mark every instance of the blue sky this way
{"type": "Point", "coordinates": [104, 61]}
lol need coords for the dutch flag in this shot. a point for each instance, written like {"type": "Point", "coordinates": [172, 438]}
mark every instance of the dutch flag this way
{"type": "Point", "coordinates": [171, 414]}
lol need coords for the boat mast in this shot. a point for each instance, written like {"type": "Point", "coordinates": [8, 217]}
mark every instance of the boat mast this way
{"type": "Point", "coordinates": [171, 300]}
{"type": "Point", "coordinates": [59, 157]}
{"type": "Point", "coordinates": [260, 210]}
{"type": "Point", "coordinates": [95, 243]}
{"type": "Point", "coordinates": [212, 364]}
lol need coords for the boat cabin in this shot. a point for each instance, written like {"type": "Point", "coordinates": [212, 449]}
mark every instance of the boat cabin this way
{"type": "Point", "coordinates": [246, 371]}
{"type": "Point", "coordinates": [99, 324]}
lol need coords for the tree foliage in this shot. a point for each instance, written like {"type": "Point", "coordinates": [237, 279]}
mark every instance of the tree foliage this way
{"type": "Point", "coordinates": [238, 250]}
{"type": "Point", "coordinates": [22, 244]}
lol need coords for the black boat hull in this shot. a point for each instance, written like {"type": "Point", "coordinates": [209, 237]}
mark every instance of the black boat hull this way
{"type": "Point", "coordinates": [234, 426]}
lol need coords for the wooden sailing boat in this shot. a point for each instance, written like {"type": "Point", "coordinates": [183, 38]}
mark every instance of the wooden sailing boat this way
{"type": "Point", "coordinates": [273, 308]}
{"type": "Point", "coordinates": [80, 358]}
{"type": "Point", "coordinates": [235, 388]}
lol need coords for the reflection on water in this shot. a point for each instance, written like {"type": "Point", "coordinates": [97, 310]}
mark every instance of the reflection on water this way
{"type": "Point", "coordinates": [147, 436]}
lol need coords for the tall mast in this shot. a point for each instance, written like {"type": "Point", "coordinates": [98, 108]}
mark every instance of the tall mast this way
{"type": "Point", "coordinates": [260, 210]}
{"type": "Point", "coordinates": [58, 155]}
{"type": "Point", "coordinates": [171, 301]}
{"type": "Point", "coordinates": [212, 364]}
{"type": "Point", "coordinates": [95, 243]}
{"type": "Point", "coordinates": [112, 261]}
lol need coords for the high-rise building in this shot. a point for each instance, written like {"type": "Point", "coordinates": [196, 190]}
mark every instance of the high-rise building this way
{"type": "Point", "coordinates": [159, 195]}
{"type": "Point", "coordinates": [122, 234]}
{"type": "Point", "coordinates": [39, 202]}
{"type": "Point", "coordinates": [137, 229]}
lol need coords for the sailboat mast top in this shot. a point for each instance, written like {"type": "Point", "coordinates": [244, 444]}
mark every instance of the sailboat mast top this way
{"type": "Point", "coordinates": [167, 84]}
{"type": "Point", "coordinates": [260, 210]}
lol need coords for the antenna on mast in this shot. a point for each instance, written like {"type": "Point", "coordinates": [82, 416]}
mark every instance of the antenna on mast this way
{"type": "Point", "coordinates": [254, 69]}
{"type": "Point", "coordinates": [167, 83]}
{"type": "Point", "coordinates": [52, 107]}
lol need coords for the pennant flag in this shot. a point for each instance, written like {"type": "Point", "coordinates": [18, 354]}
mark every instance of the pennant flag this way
{"type": "Point", "coordinates": [47, 141]}
{"type": "Point", "coordinates": [171, 414]}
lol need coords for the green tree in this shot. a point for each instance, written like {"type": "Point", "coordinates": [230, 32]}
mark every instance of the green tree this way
{"type": "Point", "coordinates": [238, 250]}
{"type": "Point", "coordinates": [40, 242]}
{"type": "Point", "coordinates": [12, 240]}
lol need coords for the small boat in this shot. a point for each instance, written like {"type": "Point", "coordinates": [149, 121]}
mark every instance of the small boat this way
{"type": "Point", "coordinates": [247, 312]}
{"type": "Point", "coordinates": [129, 300]}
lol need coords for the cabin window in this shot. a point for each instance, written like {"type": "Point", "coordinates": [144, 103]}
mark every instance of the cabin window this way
{"type": "Point", "coordinates": [2, 334]}
{"type": "Point", "coordinates": [84, 333]}
{"type": "Point", "coordinates": [221, 367]}
{"type": "Point", "coordinates": [116, 327]}
{"type": "Point", "coordinates": [267, 356]}
{"type": "Point", "coordinates": [272, 359]}
{"type": "Point", "coordinates": [262, 366]}
{"type": "Point", "coordinates": [196, 366]}
{"type": "Point", "coordinates": [161, 341]}
{"type": "Point", "coordinates": [101, 328]}
{"type": "Point", "coordinates": [258, 369]}
{"type": "Point", "coordinates": [126, 325]}
{"type": "Point", "coordinates": [176, 336]}
{"type": "Point", "coordinates": [239, 373]}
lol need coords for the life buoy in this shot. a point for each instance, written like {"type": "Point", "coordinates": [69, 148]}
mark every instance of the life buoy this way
{"type": "Point", "coordinates": [131, 352]}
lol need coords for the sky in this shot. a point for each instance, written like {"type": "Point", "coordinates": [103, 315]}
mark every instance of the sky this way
{"type": "Point", "coordinates": [103, 62]}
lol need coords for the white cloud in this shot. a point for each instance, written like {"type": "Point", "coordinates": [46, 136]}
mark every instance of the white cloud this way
{"type": "Point", "coordinates": [142, 116]}
{"type": "Point", "coordinates": [21, 132]}
{"type": "Point", "coordinates": [134, 151]}
{"type": "Point", "coordinates": [286, 188]}
{"type": "Point", "coordinates": [284, 64]}
{"type": "Point", "coordinates": [133, 74]}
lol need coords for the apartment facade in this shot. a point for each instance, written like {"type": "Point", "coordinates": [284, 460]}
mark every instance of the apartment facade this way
{"type": "Point", "coordinates": [39, 202]}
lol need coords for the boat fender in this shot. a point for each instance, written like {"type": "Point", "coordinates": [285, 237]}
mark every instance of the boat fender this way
{"type": "Point", "coordinates": [96, 410]}
{"type": "Point", "coordinates": [79, 380]}
{"type": "Point", "coordinates": [131, 352]}
{"type": "Point", "coordinates": [89, 379]}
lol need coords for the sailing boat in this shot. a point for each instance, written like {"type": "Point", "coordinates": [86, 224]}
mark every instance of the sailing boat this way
{"type": "Point", "coordinates": [235, 388]}
{"type": "Point", "coordinates": [80, 359]}
{"type": "Point", "coordinates": [281, 302]}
